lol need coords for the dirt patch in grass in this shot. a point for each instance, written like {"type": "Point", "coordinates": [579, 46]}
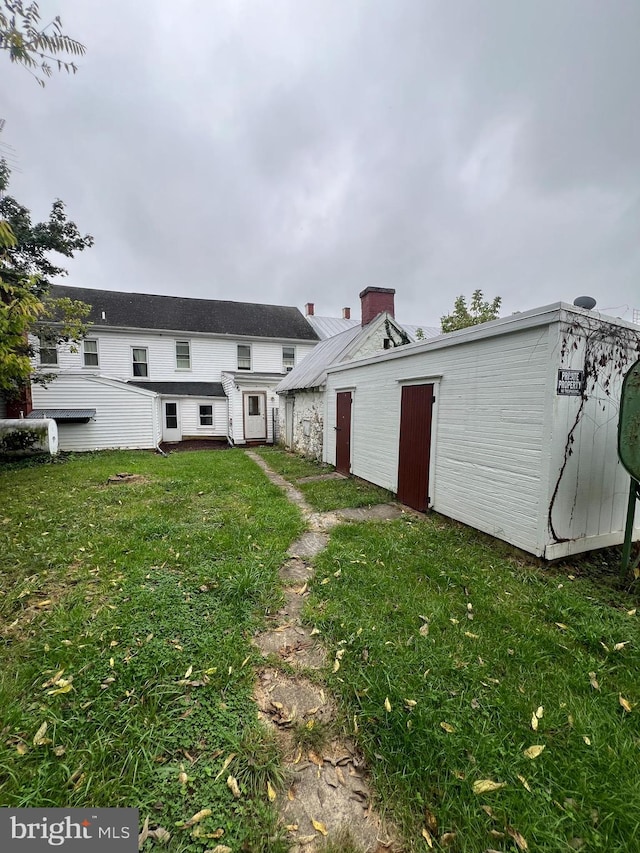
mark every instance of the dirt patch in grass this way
{"type": "Point", "coordinates": [118, 479]}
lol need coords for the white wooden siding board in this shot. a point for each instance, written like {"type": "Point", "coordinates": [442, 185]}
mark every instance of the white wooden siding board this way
{"type": "Point", "coordinates": [209, 356]}
{"type": "Point", "coordinates": [123, 418]}
{"type": "Point", "coordinates": [478, 479]}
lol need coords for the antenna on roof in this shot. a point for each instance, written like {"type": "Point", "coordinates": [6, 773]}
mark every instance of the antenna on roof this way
{"type": "Point", "coordinates": [587, 302]}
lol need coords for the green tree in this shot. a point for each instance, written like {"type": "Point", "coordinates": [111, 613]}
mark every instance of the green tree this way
{"type": "Point", "coordinates": [478, 311]}
{"type": "Point", "coordinates": [36, 47]}
{"type": "Point", "coordinates": [26, 273]}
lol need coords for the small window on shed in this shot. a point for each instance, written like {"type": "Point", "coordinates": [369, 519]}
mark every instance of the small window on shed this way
{"type": "Point", "coordinates": [387, 343]}
{"type": "Point", "coordinates": [206, 415]}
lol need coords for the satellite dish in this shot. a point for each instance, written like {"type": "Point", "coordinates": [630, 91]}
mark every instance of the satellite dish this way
{"type": "Point", "coordinates": [587, 302]}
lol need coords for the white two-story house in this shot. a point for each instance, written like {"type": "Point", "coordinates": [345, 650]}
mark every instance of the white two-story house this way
{"type": "Point", "coordinates": [158, 369]}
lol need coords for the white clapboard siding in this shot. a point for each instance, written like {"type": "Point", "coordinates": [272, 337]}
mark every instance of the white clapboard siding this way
{"type": "Point", "coordinates": [209, 356]}
{"type": "Point", "coordinates": [125, 417]}
{"type": "Point", "coordinates": [499, 433]}
{"type": "Point", "coordinates": [487, 428]}
{"type": "Point", "coordinates": [190, 417]}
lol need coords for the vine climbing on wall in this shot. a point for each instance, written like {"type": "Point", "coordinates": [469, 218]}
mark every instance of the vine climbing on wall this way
{"type": "Point", "coordinates": [609, 350]}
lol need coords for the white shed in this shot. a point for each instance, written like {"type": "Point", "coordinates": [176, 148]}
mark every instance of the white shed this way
{"type": "Point", "coordinates": [510, 427]}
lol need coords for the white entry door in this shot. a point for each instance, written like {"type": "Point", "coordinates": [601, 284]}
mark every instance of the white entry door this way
{"type": "Point", "coordinates": [171, 421]}
{"type": "Point", "coordinates": [255, 416]}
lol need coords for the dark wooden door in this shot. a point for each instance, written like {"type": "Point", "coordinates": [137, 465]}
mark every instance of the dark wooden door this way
{"type": "Point", "coordinates": [415, 446]}
{"type": "Point", "coordinates": [343, 432]}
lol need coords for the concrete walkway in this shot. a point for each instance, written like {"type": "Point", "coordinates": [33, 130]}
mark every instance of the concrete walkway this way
{"type": "Point", "coordinates": [327, 793]}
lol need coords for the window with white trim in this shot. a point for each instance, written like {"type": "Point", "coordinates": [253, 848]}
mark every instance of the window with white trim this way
{"type": "Point", "coordinates": [140, 361]}
{"type": "Point", "coordinates": [244, 357]}
{"type": "Point", "coordinates": [90, 352]}
{"type": "Point", "coordinates": [288, 359]}
{"type": "Point", "coordinates": [206, 415]}
{"type": "Point", "coordinates": [48, 351]}
{"type": "Point", "coordinates": [183, 355]}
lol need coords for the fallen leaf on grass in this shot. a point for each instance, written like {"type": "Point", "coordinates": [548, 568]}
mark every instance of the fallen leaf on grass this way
{"type": "Point", "coordinates": [427, 837]}
{"type": "Point", "coordinates": [447, 838]}
{"type": "Point", "coordinates": [447, 727]}
{"type": "Point", "coordinates": [188, 672]}
{"type": "Point", "coordinates": [424, 630]}
{"type": "Point", "coordinates": [431, 821]}
{"type": "Point", "coordinates": [53, 680]}
{"type": "Point", "coordinates": [587, 740]}
{"type": "Point", "coordinates": [290, 795]}
{"type": "Point", "coordinates": [220, 848]}
{"type": "Point", "coordinates": [197, 817]}
{"type": "Point", "coordinates": [619, 646]}
{"type": "Point", "coordinates": [159, 834]}
{"type": "Point", "coordinates": [291, 827]}
{"type": "Point", "coordinates": [39, 737]}
{"type": "Point", "coordinates": [319, 826]}
{"type": "Point", "coordinates": [534, 751]}
{"type": "Point", "coordinates": [387, 705]}
{"type": "Point", "coordinates": [534, 722]}
{"type": "Point", "coordinates": [593, 681]}
{"type": "Point", "coordinates": [232, 785]}
{"type": "Point", "coordinates": [485, 786]}
{"type": "Point", "coordinates": [539, 712]}
{"type": "Point", "coordinates": [183, 778]}
{"type": "Point", "coordinates": [201, 832]}
{"type": "Point", "coordinates": [562, 626]}
{"type": "Point", "coordinates": [632, 612]}
{"type": "Point", "coordinates": [472, 636]}
{"type": "Point", "coordinates": [524, 783]}
{"type": "Point", "coordinates": [410, 704]}
{"type": "Point", "coordinates": [271, 793]}
{"type": "Point", "coordinates": [58, 691]}
{"type": "Point", "coordinates": [520, 840]}
{"type": "Point", "coordinates": [227, 762]}
{"type": "Point", "coordinates": [624, 703]}
{"type": "Point", "coordinates": [22, 748]}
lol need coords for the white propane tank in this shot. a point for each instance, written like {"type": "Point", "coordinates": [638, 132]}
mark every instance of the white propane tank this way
{"type": "Point", "coordinates": [26, 436]}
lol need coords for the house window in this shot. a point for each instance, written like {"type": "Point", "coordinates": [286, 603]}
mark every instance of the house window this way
{"type": "Point", "coordinates": [244, 357]}
{"type": "Point", "coordinates": [183, 355]}
{"type": "Point", "coordinates": [48, 351]}
{"type": "Point", "coordinates": [140, 361]}
{"type": "Point", "coordinates": [288, 358]}
{"type": "Point", "coordinates": [171, 415]}
{"type": "Point", "coordinates": [386, 343]}
{"type": "Point", "coordinates": [254, 404]}
{"type": "Point", "coordinates": [90, 353]}
{"type": "Point", "coordinates": [206, 415]}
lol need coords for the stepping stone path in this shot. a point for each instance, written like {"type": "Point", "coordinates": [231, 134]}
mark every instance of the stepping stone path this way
{"type": "Point", "coordinates": [329, 793]}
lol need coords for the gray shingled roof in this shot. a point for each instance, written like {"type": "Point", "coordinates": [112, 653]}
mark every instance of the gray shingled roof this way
{"type": "Point", "coordinates": [183, 389]}
{"type": "Point", "coordinates": [178, 313]}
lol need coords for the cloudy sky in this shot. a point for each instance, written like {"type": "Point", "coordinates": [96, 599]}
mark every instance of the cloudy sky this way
{"type": "Point", "coordinates": [288, 151]}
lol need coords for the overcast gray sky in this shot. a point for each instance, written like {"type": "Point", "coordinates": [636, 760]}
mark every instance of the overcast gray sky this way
{"type": "Point", "coordinates": [289, 151]}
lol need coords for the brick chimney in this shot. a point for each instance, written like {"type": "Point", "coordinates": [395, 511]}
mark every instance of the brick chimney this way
{"type": "Point", "coordinates": [376, 300]}
{"type": "Point", "coordinates": [309, 309]}
{"type": "Point", "coordinates": [346, 313]}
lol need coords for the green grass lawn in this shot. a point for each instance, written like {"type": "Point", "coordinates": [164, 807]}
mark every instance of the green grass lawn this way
{"type": "Point", "coordinates": [125, 618]}
{"type": "Point", "coordinates": [325, 495]}
{"type": "Point", "coordinates": [448, 648]}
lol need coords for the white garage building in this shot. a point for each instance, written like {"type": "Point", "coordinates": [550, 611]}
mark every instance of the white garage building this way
{"type": "Point", "coordinates": [510, 426]}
